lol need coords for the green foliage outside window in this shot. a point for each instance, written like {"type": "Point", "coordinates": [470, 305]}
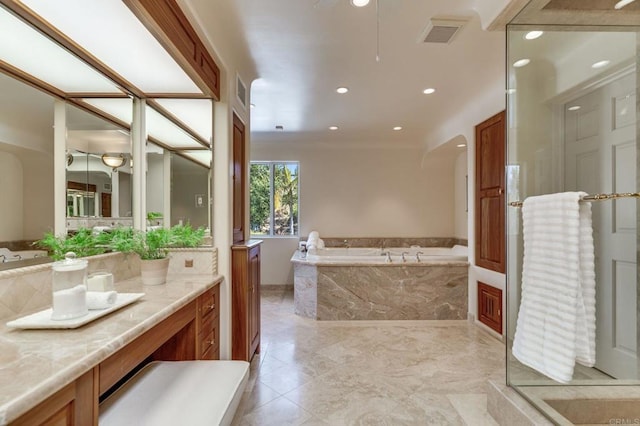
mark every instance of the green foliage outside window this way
{"type": "Point", "coordinates": [274, 198]}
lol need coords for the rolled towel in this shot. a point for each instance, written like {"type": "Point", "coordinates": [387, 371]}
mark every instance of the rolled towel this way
{"type": "Point", "coordinates": [101, 299]}
{"type": "Point", "coordinates": [313, 235]}
{"type": "Point", "coordinates": [320, 244]}
{"type": "Point", "coordinates": [311, 246]}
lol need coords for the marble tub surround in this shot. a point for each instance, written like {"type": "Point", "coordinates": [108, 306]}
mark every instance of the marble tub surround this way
{"type": "Point", "coordinates": [392, 242]}
{"type": "Point", "coordinates": [386, 291]}
{"type": "Point", "coordinates": [34, 364]}
{"type": "Point", "coordinates": [392, 293]}
{"type": "Point", "coordinates": [368, 372]}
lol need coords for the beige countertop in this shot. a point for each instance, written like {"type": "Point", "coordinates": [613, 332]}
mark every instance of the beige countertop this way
{"type": "Point", "coordinates": [34, 364]}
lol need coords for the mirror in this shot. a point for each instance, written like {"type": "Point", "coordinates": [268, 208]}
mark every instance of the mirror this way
{"type": "Point", "coordinates": [179, 161]}
{"type": "Point", "coordinates": [26, 167]}
{"type": "Point", "coordinates": [98, 172]}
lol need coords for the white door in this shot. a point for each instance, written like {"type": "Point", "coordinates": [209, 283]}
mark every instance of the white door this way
{"type": "Point", "coordinates": [600, 157]}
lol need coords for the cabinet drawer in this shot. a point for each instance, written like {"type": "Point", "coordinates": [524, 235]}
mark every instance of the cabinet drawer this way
{"type": "Point", "coordinates": [209, 302]}
{"type": "Point", "coordinates": [209, 342]}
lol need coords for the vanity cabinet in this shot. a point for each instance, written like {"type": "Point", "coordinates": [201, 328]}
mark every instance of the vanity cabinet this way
{"type": "Point", "coordinates": [208, 325]}
{"type": "Point", "coordinates": [245, 300]}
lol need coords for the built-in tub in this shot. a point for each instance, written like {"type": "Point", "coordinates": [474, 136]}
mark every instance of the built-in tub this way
{"type": "Point", "coordinates": [362, 284]}
{"type": "Point", "coordinates": [7, 255]}
{"type": "Point", "coordinates": [379, 255]}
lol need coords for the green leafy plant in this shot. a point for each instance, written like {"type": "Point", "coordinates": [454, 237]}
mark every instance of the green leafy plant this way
{"type": "Point", "coordinates": [186, 236]}
{"type": "Point", "coordinates": [148, 245]}
{"type": "Point", "coordinates": [83, 243]}
{"type": "Point", "coordinates": [154, 215]}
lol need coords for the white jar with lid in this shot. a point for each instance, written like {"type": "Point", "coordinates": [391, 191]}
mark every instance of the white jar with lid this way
{"type": "Point", "coordinates": [69, 288]}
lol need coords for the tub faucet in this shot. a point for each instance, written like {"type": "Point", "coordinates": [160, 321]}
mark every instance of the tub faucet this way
{"type": "Point", "coordinates": [404, 259]}
{"type": "Point", "coordinates": [4, 258]}
{"type": "Point", "coordinates": [418, 256]}
{"type": "Point", "coordinates": [388, 254]}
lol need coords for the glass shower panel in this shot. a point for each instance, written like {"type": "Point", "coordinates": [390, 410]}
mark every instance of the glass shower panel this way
{"type": "Point", "coordinates": [572, 126]}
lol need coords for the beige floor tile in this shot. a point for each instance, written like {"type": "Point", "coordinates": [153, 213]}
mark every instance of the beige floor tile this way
{"type": "Point", "coordinates": [278, 412]}
{"type": "Point", "coordinates": [368, 372]}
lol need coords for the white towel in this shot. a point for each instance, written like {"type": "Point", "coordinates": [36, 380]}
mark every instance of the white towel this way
{"type": "Point", "coordinates": [320, 244]}
{"type": "Point", "coordinates": [556, 320]}
{"type": "Point", "coordinates": [101, 299]}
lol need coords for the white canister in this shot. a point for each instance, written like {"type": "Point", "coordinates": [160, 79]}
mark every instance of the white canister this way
{"type": "Point", "coordinates": [69, 288]}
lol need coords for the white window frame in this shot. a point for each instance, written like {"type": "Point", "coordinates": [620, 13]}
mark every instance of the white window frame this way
{"type": "Point", "coordinates": [272, 165]}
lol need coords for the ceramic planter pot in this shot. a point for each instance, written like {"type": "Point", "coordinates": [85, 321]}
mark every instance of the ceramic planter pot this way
{"type": "Point", "coordinates": [154, 272]}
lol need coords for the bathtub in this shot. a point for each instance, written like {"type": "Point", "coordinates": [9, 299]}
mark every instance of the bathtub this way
{"type": "Point", "coordinates": [379, 256]}
{"type": "Point", "coordinates": [7, 255]}
{"type": "Point", "coordinates": [365, 284]}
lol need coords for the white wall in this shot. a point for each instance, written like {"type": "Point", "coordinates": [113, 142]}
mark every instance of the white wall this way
{"type": "Point", "coordinates": [11, 207]}
{"type": "Point", "coordinates": [359, 191]}
{"type": "Point", "coordinates": [460, 193]}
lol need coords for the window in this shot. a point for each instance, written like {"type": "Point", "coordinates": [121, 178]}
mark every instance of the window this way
{"type": "Point", "coordinates": [273, 198]}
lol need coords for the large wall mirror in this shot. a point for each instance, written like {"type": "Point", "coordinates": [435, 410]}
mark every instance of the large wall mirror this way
{"type": "Point", "coordinates": [95, 104]}
{"type": "Point", "coordinates": [179, 159]}
{"type": "Point", "coordinates": [98, 169]}
{"type": "Point", "coordinates": [26, 165]}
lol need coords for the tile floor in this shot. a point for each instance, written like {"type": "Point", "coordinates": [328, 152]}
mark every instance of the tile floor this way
{"type": "Point", "coordinates": [368, 372]}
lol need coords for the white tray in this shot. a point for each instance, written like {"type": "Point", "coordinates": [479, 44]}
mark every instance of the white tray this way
{"type": "Point", "coordinates": [43, 319]}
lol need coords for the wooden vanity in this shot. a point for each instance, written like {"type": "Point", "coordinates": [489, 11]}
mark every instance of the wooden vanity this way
{"type": "Point", "coordinates": [57, 377]}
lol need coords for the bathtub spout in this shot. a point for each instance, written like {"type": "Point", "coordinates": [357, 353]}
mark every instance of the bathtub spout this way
{"type": "Point", "coordinates": [4, 258]}
{"type": "Point", "coordinates": [388, 254]}
{"type": "Point", "coordinates": [404, 259]}
{"type": "Point", "coordinates": [418, 256]}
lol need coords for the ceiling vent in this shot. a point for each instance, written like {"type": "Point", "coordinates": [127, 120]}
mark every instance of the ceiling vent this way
{"type": "Point", "coordinates": [441, 30]}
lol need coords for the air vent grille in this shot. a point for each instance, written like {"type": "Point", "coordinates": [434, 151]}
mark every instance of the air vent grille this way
{"type": "Point", "coordinates": [241, 91]}
{"type": "Point", "coordinates": [441, 30]}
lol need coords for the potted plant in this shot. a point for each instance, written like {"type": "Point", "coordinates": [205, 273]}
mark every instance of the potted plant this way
{"type": "Point", "coordinates": [153, 247]}
{"type": "Point", "coordinates": [83, 243]}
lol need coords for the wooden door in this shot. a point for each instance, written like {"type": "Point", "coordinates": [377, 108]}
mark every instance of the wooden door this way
{"type": "Point", "coordinates": [239, 180]}
{"type": "Point", "coordinates": [490, 193]}
{"type": "Point", "coordinates": [105, 204]}
{"type": "Point", "coordinates": [254, 300]}
{"type": "Point", "coordinates": [600, 157]}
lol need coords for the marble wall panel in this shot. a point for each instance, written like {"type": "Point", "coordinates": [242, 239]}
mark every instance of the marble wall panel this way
{"type": "Point", "coordinates": [26, 290]}
{"type": "Point", "coordinates": [305, 278]}
{"type": "Point", "coordinates": [391, 242]}
{"type": "Point", "coordinates": [386, 292]}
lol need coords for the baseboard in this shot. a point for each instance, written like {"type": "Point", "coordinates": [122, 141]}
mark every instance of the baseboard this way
{"type": "Point", "coordinates": [276, 287]}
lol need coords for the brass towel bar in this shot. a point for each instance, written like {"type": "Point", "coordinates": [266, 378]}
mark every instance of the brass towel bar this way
{"type": "Point", "coordinates": [596, 197]}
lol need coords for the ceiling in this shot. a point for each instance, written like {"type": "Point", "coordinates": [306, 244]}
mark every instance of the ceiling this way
{"type": "Point", "coordinates": [305, 49]}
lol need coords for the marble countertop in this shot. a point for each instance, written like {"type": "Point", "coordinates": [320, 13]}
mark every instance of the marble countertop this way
{"type": "Point", "coordinates": [34, 364]}
{"type": "Point", "coordinates": [302, 259]}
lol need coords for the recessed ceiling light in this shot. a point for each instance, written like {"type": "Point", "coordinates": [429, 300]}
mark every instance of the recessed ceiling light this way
{"type": "Point", "coordinates": [333, 128]}
{"type": "Point", "coordinates": [397, 128]}
{"type": "Point", "coordinates": [600, 64]}
{"type": "Point", "coordinates": [574, 108]}
{"type": "Point", "coordinates": [461, 145]}
{"type": "Point", "coordinates": [428, 91]}
{"type": "Point", "coordinates": [532, 35]}
{"type": "Point", "coordinates": [521, 62]}
{"type": "Point", "coordinates": [342, 90]}
{"type": "Point", "coordinates": [359, 3]}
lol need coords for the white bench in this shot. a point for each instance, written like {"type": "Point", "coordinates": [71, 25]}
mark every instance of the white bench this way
{"type": "Point", "coordinates": [178, 393]}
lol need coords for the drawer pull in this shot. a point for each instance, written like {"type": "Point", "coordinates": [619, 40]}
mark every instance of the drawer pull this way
{"type": "Point", "coordinates": [210, 307]}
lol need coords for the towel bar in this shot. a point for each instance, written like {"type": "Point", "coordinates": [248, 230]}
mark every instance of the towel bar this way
{"type": "Point", "coordinates": [596, 197]}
